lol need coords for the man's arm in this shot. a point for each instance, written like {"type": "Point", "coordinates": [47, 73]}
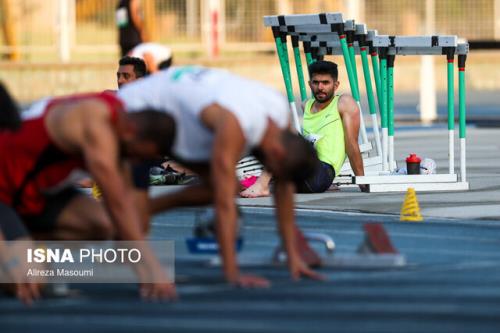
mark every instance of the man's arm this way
{"type": "Point", "coordinates": [283, 195]}
{"type": "Point", "coordinates": [227, 148]}
{"type": "Point", "coordinates": [349, 112]}
{"type": "Point", "coordinates": [136, 15]}
{"type": "Point", "coordinates": [101, 153]}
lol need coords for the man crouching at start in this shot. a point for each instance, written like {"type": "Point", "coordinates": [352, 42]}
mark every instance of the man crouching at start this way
{"type": "Point", "coordinates": [89, 132]}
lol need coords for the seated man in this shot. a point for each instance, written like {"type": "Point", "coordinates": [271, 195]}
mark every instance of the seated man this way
{"type": "Point", "coordinates": [220, 117]}
{"type": "Point", "coordinates": [331, 123]}
{"type": "Point", "coordinates": [89, 132]}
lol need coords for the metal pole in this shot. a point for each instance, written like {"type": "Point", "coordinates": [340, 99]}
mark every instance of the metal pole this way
{"type": "Point", "coordinates": [307, 52]}
{"type": "Point", "coordinates": [212, 22]}
{"type": "Point", "coordinates": [383, 111]}
{"type": "Point", "coordinates": [350, 62]}
{"type": "Point", "coordinates": [428, 112]}
{"type": "Point", "coordinates": [64, 35]}
{"type": "Point", "coordinates": [376, 77]}
{"type": "Point", "coordinates": [352, 54]}
{"type": "Point", "coordinates": [461, 115]}
{"type": "Point", "coordinates": [390, 109]}
{"type": "Point", "coordinates": [369, 94]}
{"type": "Point", "coordinates": [191, 15]}
{"type": "Point", "coordinates": [286, 75]}
{"type": "Point", "coordinates": [497, 19]}
{"type": "Point", "coordinates": [450, 55]}
{"type": "Point", "coordinates": [298, 66]}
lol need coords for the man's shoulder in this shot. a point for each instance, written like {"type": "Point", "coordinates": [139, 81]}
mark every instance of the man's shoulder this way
{"type": "Point", "coordinates": [346, 102]}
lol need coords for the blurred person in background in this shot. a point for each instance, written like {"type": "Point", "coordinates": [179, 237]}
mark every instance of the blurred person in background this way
{"type": "Point", "coordinates": [130, 25]}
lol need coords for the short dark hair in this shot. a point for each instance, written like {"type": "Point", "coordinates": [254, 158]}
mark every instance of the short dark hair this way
{"type": "Point", "coordinates": [155, 126]}
{"type": "Point", "coordinates": [139, 65]}
{"type": "Point", "coordinates": [324, 67]}
{"type": "Point", "coordinates": [9, 112]}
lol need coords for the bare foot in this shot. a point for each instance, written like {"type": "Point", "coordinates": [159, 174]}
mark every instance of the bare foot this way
{"type": "Point", "coordinates": [256, 190]}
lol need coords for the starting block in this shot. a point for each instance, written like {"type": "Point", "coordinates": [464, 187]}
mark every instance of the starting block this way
{"type": "Point", "coordinates": [375, 252]}
{"type": "Point", "coordinates": [208, 245]}
{"type": "Point", "coordinates": [204, 240]}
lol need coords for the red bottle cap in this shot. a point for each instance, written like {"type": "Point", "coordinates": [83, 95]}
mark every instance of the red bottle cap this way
{"type": "Point", "coordinates": [413, 158]}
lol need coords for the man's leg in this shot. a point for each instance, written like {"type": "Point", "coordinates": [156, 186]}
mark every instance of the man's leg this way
{"type": "Point", "coordinates": [260, 188]}
{"type": "Point", "coordinates": [71, 215]}
{"type": "Point", "coordinates": [82, 219]}
{"type": "Point", "coordinates": [319, 182]}
{"type": "Point", "coordinates": [195, 195]}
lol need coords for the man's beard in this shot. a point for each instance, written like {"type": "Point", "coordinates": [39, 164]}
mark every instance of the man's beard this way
{"type": "Point", "coordinates": [328, 96]}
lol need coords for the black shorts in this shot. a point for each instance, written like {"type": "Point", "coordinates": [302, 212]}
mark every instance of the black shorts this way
{"type": "Point", "coordinates": [55, 204]}
{"type": "Point", "coordinates": [11, 225]}
{"type": "Point", "coordinates": [140, 173]}
{"type": "Point", "coordinates": [320, 181]}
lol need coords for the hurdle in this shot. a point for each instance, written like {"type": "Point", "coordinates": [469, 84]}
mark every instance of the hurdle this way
{"type": "Point", "coordinates": [328, 34]}
{"type": "Point", "coordinates": [389, 47]}
{"type": "Point", "coordinates": [298, 26]}
{"type": "Point", "coordinates": [328, 44]}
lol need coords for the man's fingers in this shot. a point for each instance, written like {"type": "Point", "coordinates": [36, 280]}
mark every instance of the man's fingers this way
{"type": "Point", "coordinates": [34, 290]}
{"type": "Point", "coordinates": [154, 292]}
{"type": "Point", "coordinates": [314, 275]}
{"type": "Point", "coordinates": [253, 282]}
{"type": "Point", "coordinates": [23, 294]}
{"type": "Point", "coordinates": [309, 273]}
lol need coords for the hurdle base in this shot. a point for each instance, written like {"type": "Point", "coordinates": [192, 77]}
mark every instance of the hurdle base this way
{"type": "Point", "coordinates": [400, 179]}
{"type": "Point", "coordinates": [419, 187]}
{"type": "Point", "coordinates": [371, 165]}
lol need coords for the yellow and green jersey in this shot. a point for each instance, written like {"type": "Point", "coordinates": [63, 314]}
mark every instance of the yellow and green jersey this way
{"type": "Point", "coordinates": [325, 130]}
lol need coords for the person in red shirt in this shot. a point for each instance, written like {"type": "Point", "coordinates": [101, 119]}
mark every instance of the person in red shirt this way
{"type": "Point", "coordinates": [89, 132]}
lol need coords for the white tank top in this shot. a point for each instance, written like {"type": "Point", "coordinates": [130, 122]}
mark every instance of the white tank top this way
{"type": "Point", "coordinates": [184, 92]}
{"type": "Point", "coordinates": [36, 109]}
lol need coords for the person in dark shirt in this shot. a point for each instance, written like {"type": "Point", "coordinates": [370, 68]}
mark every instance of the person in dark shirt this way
{"type": "Point", "coordinates": [130, 25]}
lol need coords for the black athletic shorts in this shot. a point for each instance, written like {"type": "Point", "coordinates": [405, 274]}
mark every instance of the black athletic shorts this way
{"type": "Point", "coordinates": [320, 181]}
{"type": "Point", "coordinates": [10, 223]}
{"type": "Point", "coordinates": [140, 173]}
{"type": "Point", "coordinates": [55, 203]}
